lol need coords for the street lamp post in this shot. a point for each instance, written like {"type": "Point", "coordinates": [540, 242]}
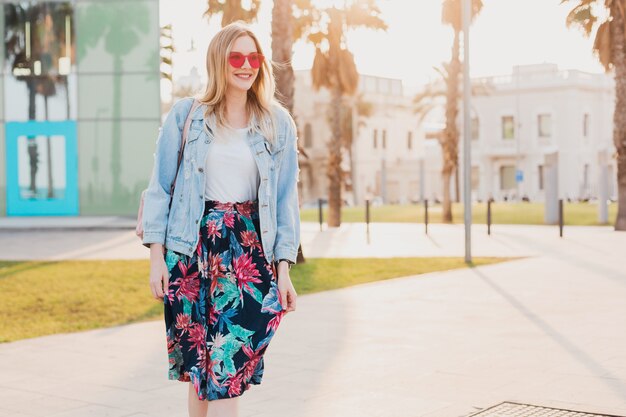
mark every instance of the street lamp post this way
{"type": "Point", "coordinates": [467, 167]}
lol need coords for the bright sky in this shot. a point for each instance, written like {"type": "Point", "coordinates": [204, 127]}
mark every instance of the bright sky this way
{"type": "Point", "coordinates": [506, 33]}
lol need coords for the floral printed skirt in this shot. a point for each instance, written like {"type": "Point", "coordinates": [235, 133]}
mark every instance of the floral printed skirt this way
{"type": "Point", "coordinates": [222, 307]}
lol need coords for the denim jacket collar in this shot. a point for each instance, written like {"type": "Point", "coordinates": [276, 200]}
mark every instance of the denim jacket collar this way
{"type": "Point", "coordinates": [211, 123]}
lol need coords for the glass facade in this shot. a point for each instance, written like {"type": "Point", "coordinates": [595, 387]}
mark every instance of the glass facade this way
{"type": "Point", "coordinates": [80, 106]}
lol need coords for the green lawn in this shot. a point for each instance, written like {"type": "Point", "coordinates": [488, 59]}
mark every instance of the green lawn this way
{"type": "Point", "coordinates": [41, 298]}
{"type": "Point", "coordinates": [501, 213]}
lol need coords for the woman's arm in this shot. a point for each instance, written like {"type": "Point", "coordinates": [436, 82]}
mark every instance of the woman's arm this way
{"type": "Point", "coordinates": [287, 206]}
{"type": "Point", "coordinates": [157, 197]}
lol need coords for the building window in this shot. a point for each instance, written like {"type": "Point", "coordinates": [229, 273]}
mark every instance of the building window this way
{"type": "Point", "coordinates": [308, 135]}
{"type": "Point", "coordinates": [375, 138]}
{"type": "Point", "coordinates": [508, 127]}
{"type": "Point", "coordinates": [586, 125]}
{"type": "Point", "coordinates": [475, 178]}
{"type": "Point", "coordinates": [384, 139]}
{"type": "Point", "coordinates": [544, 123]}
{"type": "Point", "coordinates": [540, 172]}
{"type": "Point", "coordinates": [475, 128]}
{"type": "Point", "coordinates": [409, 140]}
{"type": "Point", "coordinates": [507, 177]}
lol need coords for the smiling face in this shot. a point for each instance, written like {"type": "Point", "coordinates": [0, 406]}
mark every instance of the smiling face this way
{"type": "Point", "coordinates": [242, 78]}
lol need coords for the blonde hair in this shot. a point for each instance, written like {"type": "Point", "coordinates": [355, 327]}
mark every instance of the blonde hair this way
{"type": "Point", "coordinates": [261, 103]}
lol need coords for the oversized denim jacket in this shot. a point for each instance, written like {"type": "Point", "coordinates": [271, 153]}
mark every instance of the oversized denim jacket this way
{"type": "Point", "coordinates": [178, 228]}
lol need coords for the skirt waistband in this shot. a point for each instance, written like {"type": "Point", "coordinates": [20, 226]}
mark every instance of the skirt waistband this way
{"type": "Point", "coordinates": [244, 207]}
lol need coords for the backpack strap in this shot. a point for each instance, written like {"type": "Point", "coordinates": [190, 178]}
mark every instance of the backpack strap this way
{"type": "Point", "coordinates": [183, 141]}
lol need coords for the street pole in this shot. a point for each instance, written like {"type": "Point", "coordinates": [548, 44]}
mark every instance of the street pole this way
{"type": "Point", "coordinates": [467, 131]}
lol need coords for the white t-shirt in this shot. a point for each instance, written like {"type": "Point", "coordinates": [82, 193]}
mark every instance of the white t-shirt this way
{"type": "Point", "coordinates": [231, 171]}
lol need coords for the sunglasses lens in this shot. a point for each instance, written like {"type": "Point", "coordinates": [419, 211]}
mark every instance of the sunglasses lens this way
{"type": "Point", "coordinates": [255, 60]}
{"type": "Point", "coordinates": [236, 59]}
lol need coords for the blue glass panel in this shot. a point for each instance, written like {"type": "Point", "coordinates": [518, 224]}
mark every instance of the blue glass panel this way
{"type": "Point", "coordinates": [42, 168]}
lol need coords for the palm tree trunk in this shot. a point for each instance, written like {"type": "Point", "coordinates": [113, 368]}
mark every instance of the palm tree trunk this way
{"type": "Point", "coordinates": [457, 190]}
{"type": "Point", "coordinates": [282, 45]}
{"type": "Point", "coordinates": [619, 115]}
{"type": "Point", "coordinates": [354, 123]}
{"type": "Point", "coordinates": [333, 171]}
{"type": "Point", "coordinates": [334, 161]}
{"type": "Point", "coordinates": [451, 133]}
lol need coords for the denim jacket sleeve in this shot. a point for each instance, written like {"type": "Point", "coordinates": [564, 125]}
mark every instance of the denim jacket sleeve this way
{"type": "Point", "coordinates": [287, 204]}
{"type": "Point", "coordinates": [157, 196]}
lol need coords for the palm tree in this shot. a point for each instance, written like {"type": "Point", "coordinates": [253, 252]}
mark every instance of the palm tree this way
{"type": "Point", "coordinates": [334, 69]}
{"type": "Point", "coordinates": [232, 10]}
{"type": "Point", "coordinates": [282, 45]}
{"type": "Point", "coordinates": [610, 49]}
{"type": "Point", "coordinates": [451, 15]}
{"type": "Point", "coordinates": [436, 95]}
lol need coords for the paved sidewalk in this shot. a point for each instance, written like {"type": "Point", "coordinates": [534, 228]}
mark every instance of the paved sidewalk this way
{"type": "Point", "coordinates": [15, 223]}
{"type": "Point", "coordinates": [348, 240]}
{"type": "Point", "coordinates": [546, 330]}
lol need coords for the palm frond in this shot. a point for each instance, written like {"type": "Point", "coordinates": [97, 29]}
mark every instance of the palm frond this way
{"type": "Point", "coordinates": [364, 14]}
{"type": "Point", "coordinates": [602, 45]}
{"type": "Point", "coordinates": [452, 12]}
{"type": "Point", "coordinates": [582, 16]}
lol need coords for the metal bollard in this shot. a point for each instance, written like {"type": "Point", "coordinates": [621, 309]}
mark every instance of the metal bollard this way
{"type": "Point", "coordinates": [367, 215]}
{"type": "Point", "coordinates": [489, 217]}
{"type": "Point", "coordinates": [561, 217]}
{"type": "Point", "coordinates": [321, 215]}
{"type": "Point", "coordinates": [426, 216]}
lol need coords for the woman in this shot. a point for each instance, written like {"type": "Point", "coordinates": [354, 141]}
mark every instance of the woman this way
{"type": "Point", "coordinates": [234, 213]}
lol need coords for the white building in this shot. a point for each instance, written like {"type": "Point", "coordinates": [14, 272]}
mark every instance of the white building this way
{"type": "Point", "coordinates": [535, 114]}
{"type": "Point", "coordinates": [539, 127]}
{"type": "Point", "coordinates": [386, 150]}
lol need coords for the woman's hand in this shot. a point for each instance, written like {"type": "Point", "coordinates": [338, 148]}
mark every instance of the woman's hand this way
{"type": "Point", "coordinates": [159, 274]}
{"type": "Point", "coordinates": [285, 288]}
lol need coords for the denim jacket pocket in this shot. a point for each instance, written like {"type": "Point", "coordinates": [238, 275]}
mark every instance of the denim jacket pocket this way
{"type": "Point", "coordinates": [190, 145]}
{"type": "Point", "coordinates": [193, 135]}
{"type": "Point", "coordinates": [276, 149]}
{"type": "Point", "coordinates": [278, 153]}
